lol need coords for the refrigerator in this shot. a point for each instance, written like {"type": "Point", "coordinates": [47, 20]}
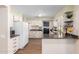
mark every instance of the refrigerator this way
{"type": "Point", "coordinates": [21, 28]}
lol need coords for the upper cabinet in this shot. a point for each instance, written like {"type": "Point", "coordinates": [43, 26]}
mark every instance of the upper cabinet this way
{"type": "Point", "coordinates": [17, 17]}
{"type": "Point", "coordinates": [11, 20]}
{"type": "Point", "coordinates": [13, 15]}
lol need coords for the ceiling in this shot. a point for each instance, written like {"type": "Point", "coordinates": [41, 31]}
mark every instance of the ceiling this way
{"type": "Point", "coordinates": [38, 10]}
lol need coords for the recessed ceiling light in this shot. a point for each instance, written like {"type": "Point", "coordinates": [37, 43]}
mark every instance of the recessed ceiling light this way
{"type": "Point", "coordinates": [40, 15]}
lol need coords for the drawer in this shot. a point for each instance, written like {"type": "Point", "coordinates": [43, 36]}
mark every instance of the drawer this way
{"type": "Point", "coordinates": [14, 42]}
{"type": "Point", "coordinates": [12, 51]}
{"type": "Point", "coordinates": [15, 46]}
{"type": "Point", "coordinates": [15, 50]}
{"type": "Point", "coordinates": [14, 39]}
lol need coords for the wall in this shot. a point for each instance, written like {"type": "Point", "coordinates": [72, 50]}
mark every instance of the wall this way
{"type": "Point", "coordinates": [35, 23]}
{"type": "Point", "coordinates": [76, 20]}
{"type": "Point", "coordinates": [36, 20]}
{"type": "Point", "coordinates": [3, 29]}
{"type": "Point", "coordinates": [76, 26]}
{"type": "Point", "coordinates": [16, 14]}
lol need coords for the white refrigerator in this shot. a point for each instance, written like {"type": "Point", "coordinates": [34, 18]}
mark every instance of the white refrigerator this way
{"type": "Point", "coordinates": [21, 28]}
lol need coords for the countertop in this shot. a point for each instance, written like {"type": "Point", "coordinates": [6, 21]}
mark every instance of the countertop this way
{"type": "Point", "coordinates": [12, 36]}
{"type": "Point", "coordinates": [35, 29]}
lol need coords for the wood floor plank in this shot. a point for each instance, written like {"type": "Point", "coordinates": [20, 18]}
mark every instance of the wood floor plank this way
{"type": "Point", "coordinates": [34, 47]}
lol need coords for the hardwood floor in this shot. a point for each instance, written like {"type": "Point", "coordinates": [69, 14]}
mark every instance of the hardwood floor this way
{"type": "Point", "coordinates": [33, 47]}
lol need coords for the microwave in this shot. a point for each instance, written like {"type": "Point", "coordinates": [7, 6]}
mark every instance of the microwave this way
{"type": "Point", "coordinates": [12, 32]}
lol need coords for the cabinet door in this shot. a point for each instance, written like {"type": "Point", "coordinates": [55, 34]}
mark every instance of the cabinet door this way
{"type": "Point", "coordinates": [17, 42]}
{"type": "Point", "coordinates": [13, 45]}
{"type": "Point", "coordinates": [10, 46]}
{"type": "Point", "coordinates": [35, 34]}
{"type": "Point", "coordinates": [32, 34]}
{"type": "Point", "coordinates": [11, 19]}
{"type": "Point", "coordinates": [17, 17]}
{"type": "Point", "coordinates": [38, 34]}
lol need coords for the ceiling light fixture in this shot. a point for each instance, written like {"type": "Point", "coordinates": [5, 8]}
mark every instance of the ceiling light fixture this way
{"type": "Point", "coordinates": [40, 15]}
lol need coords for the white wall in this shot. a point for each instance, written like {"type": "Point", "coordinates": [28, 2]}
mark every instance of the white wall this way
{"type": "Point", "coordinates": [37, 20]}
{"type": "Point", "coordinates": [3, 29]}
{"type": "Point", "coordinates": [34, 23]}
{"type": "Point", "coordinates": [76, 20]}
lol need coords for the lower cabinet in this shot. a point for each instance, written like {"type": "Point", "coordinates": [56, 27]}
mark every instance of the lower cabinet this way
{"type": "Point", "coordinates": [13, 45]}
{"type": "Point", "coordinates": [35, 34]}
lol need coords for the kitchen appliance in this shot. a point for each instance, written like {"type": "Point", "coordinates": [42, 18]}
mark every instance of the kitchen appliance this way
{"type": "Point", "coordinates": [46, 23]}
{"type": "Point", "coordinates": [21, 28]}
{"type": "Point", "coordinates": [12, 31]}
{"type": "Point", "coordinates": [46, 29]}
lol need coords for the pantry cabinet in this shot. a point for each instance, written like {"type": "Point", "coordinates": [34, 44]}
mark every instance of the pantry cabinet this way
{"type": "Point", "coordinates": [11, 19]}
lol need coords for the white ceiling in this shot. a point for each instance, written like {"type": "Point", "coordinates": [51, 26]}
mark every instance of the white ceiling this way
{"type": "Point", "coordinates": [38, 10]}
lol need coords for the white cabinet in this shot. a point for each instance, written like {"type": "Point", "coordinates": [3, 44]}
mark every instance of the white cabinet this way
{"type": "Point", "coordinates": [35, 34]}
{"type": "Point", "coordinates": [11, 19]}
{"type": "Point", "coordinates": [7, 44]}
{"type": "Point", "coordinates": [21, 28]}
{"type": "Point", "coordinates": [13, 45]}
{"type": "Point", "coordinates": [39, 34]}
{"type": "Point", "coordinates": [17, 17]}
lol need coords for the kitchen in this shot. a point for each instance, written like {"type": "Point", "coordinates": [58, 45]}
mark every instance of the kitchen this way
{"type": "Point", "coordinates": [26, 29]}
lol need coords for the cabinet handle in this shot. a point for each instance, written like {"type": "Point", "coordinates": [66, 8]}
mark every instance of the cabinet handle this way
{"type": "Point", "coordinates": [14, 39]}
{"type": "Point", "coordinates": [14, 43]}
{"type": "Point", "coordinates": [14, 46]}
{"type": "Point", "coordinates": [14, 51]}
